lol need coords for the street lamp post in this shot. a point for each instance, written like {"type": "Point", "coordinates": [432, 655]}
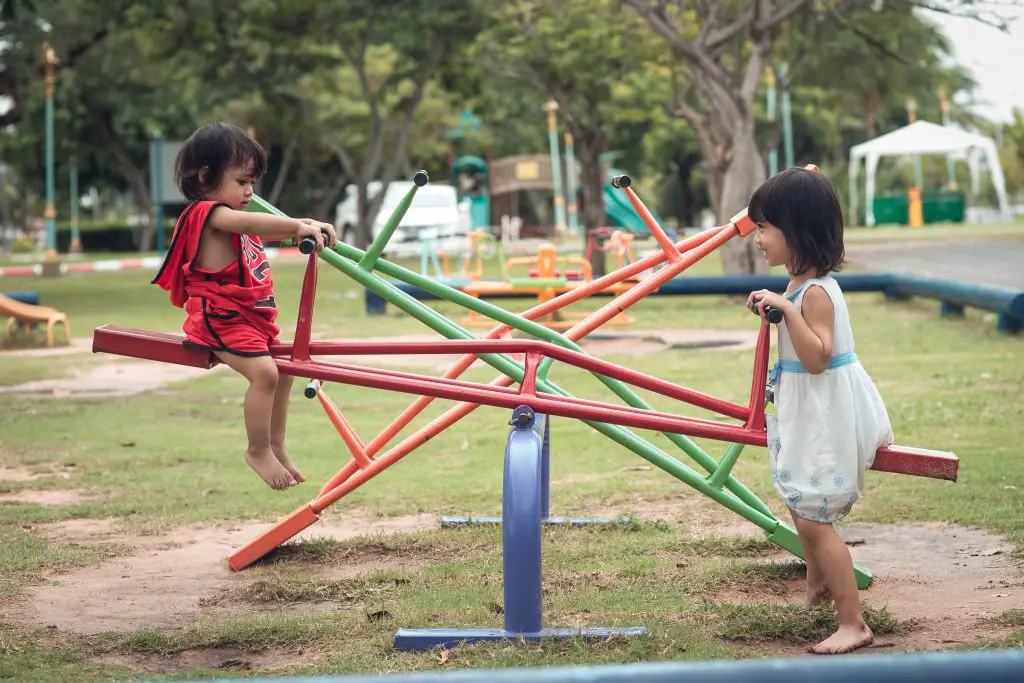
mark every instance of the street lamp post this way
{"type": "Point", "coordinates": [50, 60]}
{"type": "Point", "coordinates": [556, 168]}
{"type": "Point", "coordinates": [76, 238]}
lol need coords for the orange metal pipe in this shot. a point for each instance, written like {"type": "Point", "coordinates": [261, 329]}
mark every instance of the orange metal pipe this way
{"type": "Point", "coordinates": [645, 286]}
{"type": "Point", "coordinates": [717, 237]}
{"type": "Point", "coordinates": [410, 413]}
{"type": "Point", "coordinates": [351, 439]}
{"type": "Point", "coordinates": [671, 252]}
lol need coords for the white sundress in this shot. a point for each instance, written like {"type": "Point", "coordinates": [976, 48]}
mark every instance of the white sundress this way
{"type": "Point", "coordinates": [826, 427]}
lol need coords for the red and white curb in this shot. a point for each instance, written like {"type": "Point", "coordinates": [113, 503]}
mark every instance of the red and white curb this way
{"type": "Point", "coordinates": [108, 266]}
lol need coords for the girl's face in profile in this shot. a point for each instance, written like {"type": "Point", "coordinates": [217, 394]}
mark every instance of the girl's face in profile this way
{"type": "Point", "coordinates": [772, 244]}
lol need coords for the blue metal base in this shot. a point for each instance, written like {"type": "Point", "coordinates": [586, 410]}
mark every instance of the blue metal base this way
{"type": "Point", "coordinates": [450, 522]}
{"type": "Point", "coordinates": [420, 639]}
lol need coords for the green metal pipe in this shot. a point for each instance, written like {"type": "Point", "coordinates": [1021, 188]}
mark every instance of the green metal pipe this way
{"type": "Point", "coordinates": [375, 249]}
{"type": "Point", "coordinates": [621, 389]}
{"type": "Point", "coordinates": [725, 465]}
{"type": "Point", "coordinates": [504, 364]}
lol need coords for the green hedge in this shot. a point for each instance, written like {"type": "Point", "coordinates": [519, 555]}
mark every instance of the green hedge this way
{"type": "Point", "coordinates": [106, 236]}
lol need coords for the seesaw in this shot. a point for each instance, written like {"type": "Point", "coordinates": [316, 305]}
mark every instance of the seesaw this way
{"type": "Point", "coordinates": [535, 391]}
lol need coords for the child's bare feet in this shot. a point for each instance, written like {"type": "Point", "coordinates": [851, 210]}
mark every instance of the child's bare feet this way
{"type": "Point", "coordinates": [287, 463]}
{"type": "Point", "coordinates": [817, 593]}
{"type": "Point", "coordinates": [845, 639]}
{"type": "Point", "coordinates": [265, 464]}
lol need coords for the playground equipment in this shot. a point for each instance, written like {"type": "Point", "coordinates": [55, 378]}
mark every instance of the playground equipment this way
{"type": "Point", "coordinates": [442, 272]}
{"type": "Point", "coordinates": [536, 392]}
{"type": "Point", "coordinates": [953, 296]}
{"type": "Point", "coordinates": [545, 282]}
{"type": "Point", "coordinates": [27, 315]}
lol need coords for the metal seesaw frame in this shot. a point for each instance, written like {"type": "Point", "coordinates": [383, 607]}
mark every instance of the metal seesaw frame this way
{"type": "Point", "coordinates": [535, 391]}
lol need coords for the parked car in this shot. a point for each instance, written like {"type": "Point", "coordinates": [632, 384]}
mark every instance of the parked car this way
{"type": "Point", "coordinates": [434, 209]}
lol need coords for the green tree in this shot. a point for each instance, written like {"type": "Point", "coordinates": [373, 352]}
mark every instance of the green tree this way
{"type": "Point", "coordinates": [726, 46]}
{"type": "Point", "coordinates": [574, 53]}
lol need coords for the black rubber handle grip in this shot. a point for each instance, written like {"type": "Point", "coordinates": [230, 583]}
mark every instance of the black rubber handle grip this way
{"type": "Point", "coordinates": [774, 315]}
{"type": "Point", "coordinates": [307, 245]}
{"type": "Point", "coordinates": [621, 181]}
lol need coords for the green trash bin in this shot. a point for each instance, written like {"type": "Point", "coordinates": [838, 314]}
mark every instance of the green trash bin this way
{"type": "Point", "coordinates": [943, 207]}
{"type": "Point", "coordinates": [891, 209]}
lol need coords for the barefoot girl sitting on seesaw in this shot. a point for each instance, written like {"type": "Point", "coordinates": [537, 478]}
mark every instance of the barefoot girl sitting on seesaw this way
{"type": "Point", "coordinates": [217, 271]}
{"type": "Point", "coordinates": [829, 418]}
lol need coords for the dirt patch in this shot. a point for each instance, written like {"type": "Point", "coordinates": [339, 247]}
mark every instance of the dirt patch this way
{"type": "Point", "coordinates": [48, 498]}
{"type": "Point", "coordinates": [216, 659]}
{"type": "Point", "coordinates": [40, 471]}
{"type": "Point", "coordinates": [164, 584]}
{"type": "Point", "coordinates": [948, 581]}
{"type": "Point", "coordinates": [77, 345]}
{"type": "Point", "coordinates": [113, 379]}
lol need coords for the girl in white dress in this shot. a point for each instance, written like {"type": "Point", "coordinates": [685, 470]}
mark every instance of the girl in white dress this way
{"type": "Point", "coordinates": [830, 418]}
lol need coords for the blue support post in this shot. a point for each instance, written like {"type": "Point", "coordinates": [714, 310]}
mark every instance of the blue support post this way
{"type": "Point", "coordinates": [522, 508]}
{"type": "Point", "coordinates": [542, 427]}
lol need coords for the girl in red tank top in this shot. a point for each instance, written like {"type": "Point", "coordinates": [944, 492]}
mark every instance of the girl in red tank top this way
{"type": "Point", "coordinates": [217, 270]}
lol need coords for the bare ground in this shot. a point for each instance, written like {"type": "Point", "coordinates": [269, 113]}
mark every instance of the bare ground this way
{"type": "Point", "coordinates": [947, 581]}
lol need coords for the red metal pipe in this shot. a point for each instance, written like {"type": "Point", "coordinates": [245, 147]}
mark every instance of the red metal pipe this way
{"type": "Point", "coordinates": [544, 403]}
{"type": "Point", "coordinates": [760, 378]}
{"type": "Point", "coordinates": [304, 323]}
{"type": "Point", "coordinates": [525, 346]}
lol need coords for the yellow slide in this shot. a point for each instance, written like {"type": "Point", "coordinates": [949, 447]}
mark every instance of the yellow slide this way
{"type": "Point", "coordinates": [27, 314]}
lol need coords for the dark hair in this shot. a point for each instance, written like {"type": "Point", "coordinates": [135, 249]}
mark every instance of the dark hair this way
{"type": "Point", "coordinates": [211, 150]}
{"type": "Point", "coordinates": [804, 205]}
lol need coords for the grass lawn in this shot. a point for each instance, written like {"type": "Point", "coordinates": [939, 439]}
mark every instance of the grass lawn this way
{"type": "Point", "coordinates": [165, 460]}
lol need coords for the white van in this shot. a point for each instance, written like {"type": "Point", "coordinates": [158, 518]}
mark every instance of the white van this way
{"type": "Point", "coordinates": [435, 209]}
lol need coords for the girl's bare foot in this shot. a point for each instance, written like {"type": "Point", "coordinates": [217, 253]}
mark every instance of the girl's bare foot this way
{"type": "Point", "coordinates": [265, 464]}
{"type": "Point", "coordinates": [816, 594]}
{"type": "Point", "coordinates": [845, 639]}
{"type": "Point", "coordinates": [287, 463]}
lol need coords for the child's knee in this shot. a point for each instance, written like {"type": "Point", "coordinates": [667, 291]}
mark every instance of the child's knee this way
{"type": "Point", "coordinates": [811, 531]}
{"type": "Point", "coordinates": [265, 376]}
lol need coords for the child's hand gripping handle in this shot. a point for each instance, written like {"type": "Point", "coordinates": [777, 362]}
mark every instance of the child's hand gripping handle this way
{"type": "Point", "coordinates": [773, 315]}
{"type": "Point", "coordinates": [307, 245]}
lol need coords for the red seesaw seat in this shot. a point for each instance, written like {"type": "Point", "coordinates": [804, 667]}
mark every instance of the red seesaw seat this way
{"type": "Point", "coordinates": [168, 348]}
{"type": "Point", "coordinates": [158, 346]}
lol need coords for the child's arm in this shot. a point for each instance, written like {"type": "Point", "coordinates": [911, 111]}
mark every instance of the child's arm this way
{"type": "Point", "coordinates": [269, 226]}
{"type": "Point", "coordinates": [812, 332]}
{"type": "Point", "coordinates": [250, 223]}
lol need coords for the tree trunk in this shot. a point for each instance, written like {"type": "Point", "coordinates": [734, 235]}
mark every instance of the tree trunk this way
{"type": "Point", "coordinates": [871, 115]}
{"type": "Point", "coordinates": [364, 234]}
{"type": "Point", "coordinates": [324, 209]}
{"type": "Point", "coordinates": [590, 143]}
{"type": "Point", "coordinates": [284, 170]}
{"type": "Point", "coordinates": [131, 173]}
{"type": "Point", "coordinates": [743, 175]}
{"type": "Point", "coordinates": [687, 213]}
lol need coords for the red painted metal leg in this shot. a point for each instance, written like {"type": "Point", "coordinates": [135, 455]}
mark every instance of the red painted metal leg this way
{"type": "Point", "coordinates": [304, 324]}
{"type": "Point", "coordinates": [760, 379]}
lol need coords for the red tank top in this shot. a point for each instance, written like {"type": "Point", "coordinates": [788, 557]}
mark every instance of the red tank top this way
{"type": "Point", "coordinates": [245, 285]}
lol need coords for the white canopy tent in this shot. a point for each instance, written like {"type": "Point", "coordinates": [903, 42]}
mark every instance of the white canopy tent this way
{"type": "Point", "coordinates": [922, 137]}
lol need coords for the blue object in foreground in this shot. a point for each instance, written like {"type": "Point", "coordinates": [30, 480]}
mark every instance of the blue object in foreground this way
{"type": "Point", "coordinates": [930, 667]}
